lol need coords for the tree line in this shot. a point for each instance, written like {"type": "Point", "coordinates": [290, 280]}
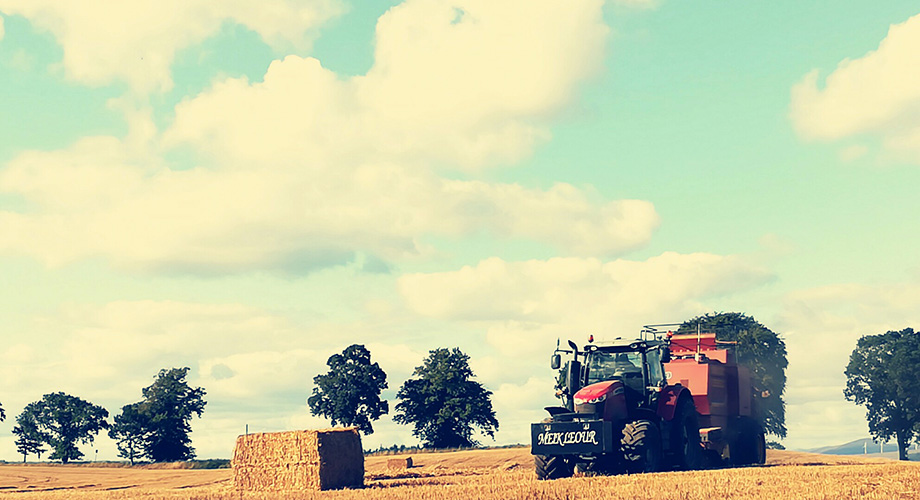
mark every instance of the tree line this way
{"type": "Point", "coordinates": [156, 428]}
{"type": "Point", "coordinates": [445, 406]}
{"type": "Point", "coordinates": [442, 403]}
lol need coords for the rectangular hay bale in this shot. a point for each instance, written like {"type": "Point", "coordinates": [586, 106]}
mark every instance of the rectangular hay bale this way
{"type": "Point", "coordinates": [399, 463]}
{"type": "Point", "coordinates": [298, 460]}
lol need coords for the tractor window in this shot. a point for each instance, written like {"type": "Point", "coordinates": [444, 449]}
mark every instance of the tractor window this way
{"type": "Point", "coordinates": [655, 377]}
{"type": "Point", "coordinates": [608, 365]}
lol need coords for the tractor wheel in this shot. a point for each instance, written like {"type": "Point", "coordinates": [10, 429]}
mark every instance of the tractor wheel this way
{"type": "Point", "coordinates": [685, 437]}
{"type": "Point", "coordinates": [760, 444]}
{"type": "Point", "coordinates": [748, 445]}
{"type": "Point", "coordinates": [641, 446]}
{"type": "Point", "coordinates": [552, 467]}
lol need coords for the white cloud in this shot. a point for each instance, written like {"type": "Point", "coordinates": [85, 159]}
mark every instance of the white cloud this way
{"type": "Point", "coordinates": [305, 169]}
{"type": "Point", "coordinates": [548, 290]}
{"type": "Point", "coordinates": [136, 41]}
{"type": "Point", "coordinates": [821, 327]}
{"type": "Point", "coordinates": [878, 93]}
{"type": "Point", "coordinates": [519, 405]}
{"type": "Point", "coordinates": [524, 306]}
{"type": "Point", "coordinates": [469, 80]}
{"type": "Point", "coordinates": [248, 375]}
{"type": "Point", "coordinates": [104, 342]}
{"type": "Point", "coordinates": [92, 200]}
{"type": "Point", "coordinates": [466, 83]}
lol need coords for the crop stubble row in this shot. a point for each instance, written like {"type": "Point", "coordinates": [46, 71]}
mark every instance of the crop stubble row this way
{"type": "Point", "coordinates": [873, 481]}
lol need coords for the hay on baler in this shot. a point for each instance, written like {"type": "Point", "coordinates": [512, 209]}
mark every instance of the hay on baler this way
{"type": "Point", "coordinates": [299, 460]}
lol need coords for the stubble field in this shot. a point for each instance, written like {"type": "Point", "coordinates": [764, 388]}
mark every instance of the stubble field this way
{"type": "Point", "coordinates": [491, 474]}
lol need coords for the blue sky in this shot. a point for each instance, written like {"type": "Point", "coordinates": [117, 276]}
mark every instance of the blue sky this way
{"type": "Point", "coordinates": [246, 191]}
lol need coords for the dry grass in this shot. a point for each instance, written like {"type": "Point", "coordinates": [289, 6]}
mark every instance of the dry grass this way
{"type": "Point", "coordinates": [508, 474]}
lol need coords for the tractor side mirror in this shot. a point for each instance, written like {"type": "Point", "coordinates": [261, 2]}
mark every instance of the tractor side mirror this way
{"type": "Point", "coordinates": [665, 354]}
{"type": "Point", "coordinates": [555, 362]}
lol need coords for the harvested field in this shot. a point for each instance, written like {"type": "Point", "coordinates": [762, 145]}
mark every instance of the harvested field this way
{"type": "Point", "coordinates": [47, 478]}
{"type": "Point", "coordinates": [487, 474]}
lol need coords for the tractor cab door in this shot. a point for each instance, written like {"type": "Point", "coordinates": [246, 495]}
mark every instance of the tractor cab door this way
{"type": "Point", "coordinates": [655, 372]}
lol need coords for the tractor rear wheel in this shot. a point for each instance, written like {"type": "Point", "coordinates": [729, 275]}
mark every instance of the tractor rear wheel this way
{"type": "Point", "coordinates": [641, 446]}
{"type": "Point", "coordinates": [748, 445]}
{"type": "Point", "coordinates": [552, 467]}
{"type": "Point", "coordinates": [685, 437]}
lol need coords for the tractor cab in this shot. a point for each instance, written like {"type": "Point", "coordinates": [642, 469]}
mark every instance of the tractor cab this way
{"type": "Point", "coordinates": [635, 364]}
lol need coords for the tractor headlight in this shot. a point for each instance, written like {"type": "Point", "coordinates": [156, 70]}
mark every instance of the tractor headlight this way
{"type": "Point", "coordinates": [599, 399]}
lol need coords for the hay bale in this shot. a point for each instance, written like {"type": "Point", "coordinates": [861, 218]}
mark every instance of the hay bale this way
{"type": "Point", "coordinates": [298, 460]}
{"type": "Point", "coordinates": [399, 463]}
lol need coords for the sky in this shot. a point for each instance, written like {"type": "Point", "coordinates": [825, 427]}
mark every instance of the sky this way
{"type": "Point", "coordinates": [246, 188]}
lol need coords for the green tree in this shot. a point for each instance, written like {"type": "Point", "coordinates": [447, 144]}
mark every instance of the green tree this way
{"type": "Point", "coordinates": [164, 416]}
{"type": "Point", "coordinates": [882, 375]}
{"type": "Point", "coordinates": [773, 445]}
{"type": "Point", "coordinates": [61, 421]}
{"type": "Point", "coordinates": [28, 439]}
{"type": "Point", "coordinates": [763, 352]}
{"type": "Point", "coordinates": [443, 404]}
{"type": "Point", "coordinates": [131, 432]}
{"type": "Point", "coordinates": [349, 393]}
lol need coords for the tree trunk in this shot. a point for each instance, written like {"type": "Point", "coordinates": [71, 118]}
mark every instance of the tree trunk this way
{"type": "Point", "coordinates": [903, 443]}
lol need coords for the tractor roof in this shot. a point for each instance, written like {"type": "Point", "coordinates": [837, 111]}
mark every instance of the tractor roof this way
{"type": "Point", "coordinates": [621, 343]}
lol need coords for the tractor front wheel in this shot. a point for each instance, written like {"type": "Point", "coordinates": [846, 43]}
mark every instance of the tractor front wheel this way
{"type": "Point", "coordinates": [552, 467]}
{"type": "Point", "coordinates": [641, 446]}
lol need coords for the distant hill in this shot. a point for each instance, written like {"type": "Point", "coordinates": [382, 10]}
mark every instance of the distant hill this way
{"type": "Point", "coordinates": [857, 447]}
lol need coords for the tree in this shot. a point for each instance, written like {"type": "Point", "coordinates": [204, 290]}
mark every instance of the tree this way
{"type": "Point", "coordinates": [443, 404]}
{"type": "Point", "coordinates": [28, 439]}
{"type": "Point", "coordinates": [62, 421]}
{"type": "Point", "coordinates": [131, 432]}
{"type": "Point", "coordinates": [882, 375]}
{"type": "Point", "coordinates": [773, 445]}
{"type": "Point", "coordinates": [763, 352]}
{"type": "Point", "coordinates": [163, 417]}
{"type": "Point", "coordinates": [349, 393]}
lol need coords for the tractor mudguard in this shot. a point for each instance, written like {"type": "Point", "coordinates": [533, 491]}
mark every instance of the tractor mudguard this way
{"type": "Point", "coordinates": [556, 410]}
{"type": "Point", "coordinates": [668, 399]}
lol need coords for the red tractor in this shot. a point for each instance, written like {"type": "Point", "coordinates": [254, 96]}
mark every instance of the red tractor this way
{"type": "Point", "coordinates": [661, 402]}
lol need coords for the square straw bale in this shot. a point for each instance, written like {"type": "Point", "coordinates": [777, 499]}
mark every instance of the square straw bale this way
{"type": "Point", "coordinates": [399, 463]}
{"type": "Point", "coordinates": [298, 460]}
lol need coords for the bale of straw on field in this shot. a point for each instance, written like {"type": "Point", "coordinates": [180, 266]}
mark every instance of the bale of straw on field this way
{"type": "Point", "coordinates": [298, 460]}
{"type": "Point", "coordinates": [399, 463]}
